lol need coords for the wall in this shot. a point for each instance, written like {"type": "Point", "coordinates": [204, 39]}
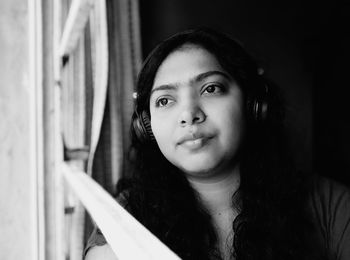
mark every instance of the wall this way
{"type": "Point", "coordinates": [17, 194]}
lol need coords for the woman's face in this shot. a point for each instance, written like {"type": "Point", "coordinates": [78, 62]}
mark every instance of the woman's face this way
{"type": "Point", "coordinates": [196, 112]}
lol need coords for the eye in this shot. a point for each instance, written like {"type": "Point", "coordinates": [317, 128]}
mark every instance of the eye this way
{"type": "Point", "coordinates": [163, 101]}
{"type": "Point", "coordinates": [213, 89]}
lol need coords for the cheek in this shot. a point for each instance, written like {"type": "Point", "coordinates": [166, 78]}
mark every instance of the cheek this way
{"type": "Point", "coordinates": [232, 126]}
{"type": "Point", "coordinates": [162, 130]}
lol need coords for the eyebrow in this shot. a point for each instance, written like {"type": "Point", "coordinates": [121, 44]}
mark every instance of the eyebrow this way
{"type": "Point", "coordinates": [198, 78]}
{"type": "Point", "coordinates": [202, 76]}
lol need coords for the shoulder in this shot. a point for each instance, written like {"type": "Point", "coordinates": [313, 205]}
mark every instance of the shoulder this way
{"type": "Point", "coordinates": [330, 193]}
{"type": "Point", "coordinates": [329, 197]}
{"type": "Point", "coordinates": [330, 206]}
{"type": "Point", "coordinates": [122, 198]}
{"type": "Point", "coordinates": [100, 252]}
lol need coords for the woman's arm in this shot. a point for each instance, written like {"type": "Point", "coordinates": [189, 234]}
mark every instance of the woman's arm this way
{"type": "Point", "coordinates": [104, 252]}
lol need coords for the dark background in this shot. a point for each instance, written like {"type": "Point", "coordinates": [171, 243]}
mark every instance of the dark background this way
{"type": "Point", "coordinates": [303, 46]}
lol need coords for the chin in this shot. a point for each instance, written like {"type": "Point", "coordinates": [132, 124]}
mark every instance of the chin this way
{"type": "Point", "coordinates": [198, 170]}
{"type": "Point", "coordinates": [206, 168]}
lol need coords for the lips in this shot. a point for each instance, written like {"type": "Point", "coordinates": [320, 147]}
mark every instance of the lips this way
{"type": "Point", "coordinates": [194, 141]}
{"type": "Point", "coordinates": [194, 144]}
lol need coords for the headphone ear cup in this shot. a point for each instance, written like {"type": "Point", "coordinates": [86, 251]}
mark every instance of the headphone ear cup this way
{"type": "Point", "coordinates": [259, 110]}
{"type": "Point", "coordinates": [258, 106]}
{"type": "Point", "coordinates": [146, 122]}
{"type": "Point", "coordinates": [142, 127]}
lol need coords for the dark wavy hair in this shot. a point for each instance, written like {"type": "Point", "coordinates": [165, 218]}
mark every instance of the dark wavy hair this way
{"type": "Point", "coordinates": [272, 223]}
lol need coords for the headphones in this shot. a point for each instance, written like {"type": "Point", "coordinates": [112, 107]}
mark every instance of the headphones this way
{"type": "Point", "coordinates": [257, 110]}
{"type": "Point", "coordinates": [141, 125]}
{"type": "Point", "coordinates": [257, 105]}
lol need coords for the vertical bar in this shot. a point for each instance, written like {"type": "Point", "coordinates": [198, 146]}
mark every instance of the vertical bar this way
{"type": "Point", "coordinates": [54, 207]}
{"type": "Point", "coordinates": [36, 129]}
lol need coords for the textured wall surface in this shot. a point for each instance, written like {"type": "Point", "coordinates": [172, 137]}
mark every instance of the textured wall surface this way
{"type": "Point", "coordinates": [16, 204]}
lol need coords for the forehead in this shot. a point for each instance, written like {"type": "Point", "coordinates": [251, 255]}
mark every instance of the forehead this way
{"type": "Point", "coordinates": [184, 63]}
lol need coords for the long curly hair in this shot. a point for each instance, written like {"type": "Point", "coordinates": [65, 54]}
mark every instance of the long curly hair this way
{"type": "Point", "coordinates": [272, 221]}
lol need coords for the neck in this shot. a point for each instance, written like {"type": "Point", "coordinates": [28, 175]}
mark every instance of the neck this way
{"type": "Point", "coordinates": [216, 193]}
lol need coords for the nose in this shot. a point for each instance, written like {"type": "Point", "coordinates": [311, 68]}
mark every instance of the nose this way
{"type": "Point", "coordinates": [191, 114]}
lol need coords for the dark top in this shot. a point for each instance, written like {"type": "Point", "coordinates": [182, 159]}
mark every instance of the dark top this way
{"type": "Point", "coordinates": [330, 210]}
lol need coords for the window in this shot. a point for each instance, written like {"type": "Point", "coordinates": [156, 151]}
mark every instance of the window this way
{"type": "Point", "coordinates": [91, 58]}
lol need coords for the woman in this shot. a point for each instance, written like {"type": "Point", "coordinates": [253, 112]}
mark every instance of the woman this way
{"type": "Point", "coordinates": [212, 177]}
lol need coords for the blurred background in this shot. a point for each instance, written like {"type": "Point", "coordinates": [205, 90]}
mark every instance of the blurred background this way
{"type": "Point", "coordinates": [71, 100]}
